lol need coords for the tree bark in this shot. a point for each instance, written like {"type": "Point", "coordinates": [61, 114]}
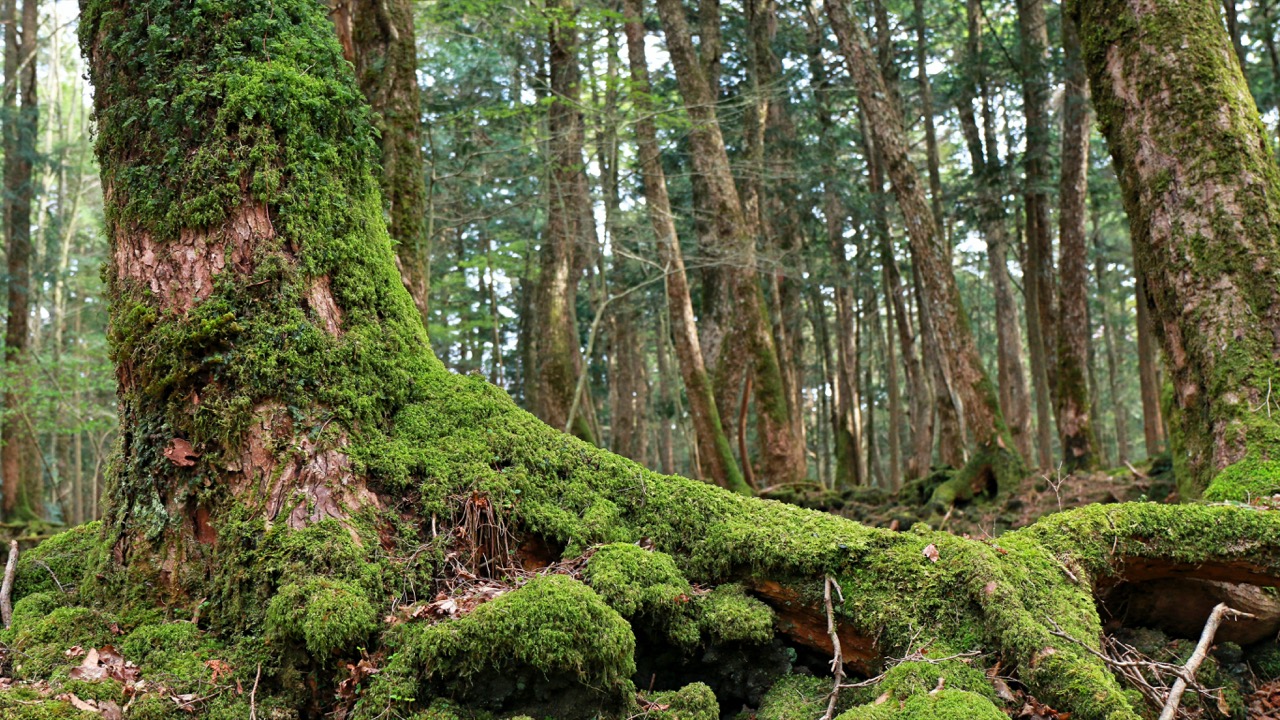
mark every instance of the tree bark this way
{"type": "Point", "coordinates": [18, 451]}
{"type": "Point", "coordinates": [1203, 196]}
{"type": "Point", "coordinates": [378, 37]}
{"type": "Point", "coordinates": [1119, 412]}
{"type": "Point", "coordinates": [1038, 275]}
{"type": "Point", "coordinates": [1148, 371]}
{"type": "Point", "coordinates": [994, 463]}
{"type": "Point", "coordinates": [714, 451]}
{"type": "Point", "coordinates": [744, 323]}
{"type": "Point", "coordinates": [557, 355]}
{"type": "Point", "coordinates": [1075, 425]}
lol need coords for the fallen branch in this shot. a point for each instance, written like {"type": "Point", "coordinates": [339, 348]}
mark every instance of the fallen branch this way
{"type": "Point", "coordinates": [837, 658]}
{"type": "Point", "coordinates": [6, 589]}
{"type": "Point", "coordinates": [1188, 672]}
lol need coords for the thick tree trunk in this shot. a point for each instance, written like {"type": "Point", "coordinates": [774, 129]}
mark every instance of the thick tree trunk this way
{"type": "Point", "coordinates": [1203, 197]}
{"type": "Point", "coordinates": [377, 36]}
{"type": "Point", "coordinates": [19, 454]}
{"type": "Point", "coordinates": [292, 454]}
{"type": "Point", "coordinates": [744, 322]}
{"type": "Point", "coordinates": [557, 355]}
{"type": "Point", "coordinates": [714, 451]}
{"type": "Point", "coordinates": [1075, 426]}
{"type": "Point", "coordinates": [994, 464]}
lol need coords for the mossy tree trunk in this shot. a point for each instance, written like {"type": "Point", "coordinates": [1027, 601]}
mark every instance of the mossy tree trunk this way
{"type": "Point", "coordinates": [1203, 197]}
{"type": "Point", "coordinates": [557, 355]}
{"type": "Point", "coordinates": [378, 37]}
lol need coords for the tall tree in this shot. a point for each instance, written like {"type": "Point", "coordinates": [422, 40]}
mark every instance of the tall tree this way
{"type": "Point", "coordinates": [1148, 371]}
{"type": "Point", "coordinates": [557, 355]}
{"type": "Point", "coordinates": [18, 453]}
{"type": "Point", "coordinates": [994, 463]}
{"type": "Point", "coordinates": [714, 451]}
{"type": "Point", "coordinates": [745, 347]}
{"type": "Point", "coordinates": [1202, 192]}
{"type": "Point", "coordinates": [1075, 426]}
{"type": "Point", "coordinates": [987, 171]}
{"type": "Point", "coordinates": [1038, 265]}
{"type": "Point", "coordinates": [378, 38]}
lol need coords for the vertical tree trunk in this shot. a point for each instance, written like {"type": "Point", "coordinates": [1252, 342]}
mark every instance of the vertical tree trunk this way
{"type": "Point", "coordinates": [1118, 410]}
{"type": "Point", "coordinates": [985, 158]}
{"type": "Point", "coordinates": [18, 458]}
{"type": "Point", "coordinates": [1148, 371]}
{"type": "Point", "coordinates": [926, 112]}
{"type": "Point", "coordinates": [715, 453]}
{"type": "Point", "coordinates": [892, 387]}
{"type": "Point", "coordinates": [735, 230]}
{"type": "Point", "coordinates": [1203, 196]}
{"type": "Point", "coordinates": [1232, 17]}
{"type": "Point", "coordinates": [994, 465]}
{"type": "Point", "coordinates": [1038, 275]}
{"type": "Point", "coordinates": [378, 38]}
{"type": "Point", "coordinates": [1074, 422]}
{"type": "Point", "coordinates": [557, 355]}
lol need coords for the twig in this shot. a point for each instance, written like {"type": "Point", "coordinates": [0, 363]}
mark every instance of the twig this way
{"type": "Point", "coordinates": [1136, 472]}
{"type": "Point", "coordinates": [837, 657]}
{"type": "Point", "coordinates": [1188, 672]}
{"type": "Point", "coordinates": [253, 695]}
{"type": "Point", "coordinates": [6, 589]}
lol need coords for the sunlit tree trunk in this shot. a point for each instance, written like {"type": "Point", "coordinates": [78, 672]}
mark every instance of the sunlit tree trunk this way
{"type": "Point", "coordinates": [1148, 371]}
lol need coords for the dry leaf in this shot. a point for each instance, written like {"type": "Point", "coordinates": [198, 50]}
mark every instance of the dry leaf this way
{"type": "Point", "coordinates": [79, 704]}
{"type": "Point", "coordinates": [931, 552]}
{"type": "Point", "coordinates": [181, 453]}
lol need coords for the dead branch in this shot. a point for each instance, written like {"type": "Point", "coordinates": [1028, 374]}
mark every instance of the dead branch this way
{"type": "Point", "coordinates": [837, 658]}
{"type": "Point", "coordinates": [6, 589]}
{"type": "Point", "coordinates": [1188, 672]}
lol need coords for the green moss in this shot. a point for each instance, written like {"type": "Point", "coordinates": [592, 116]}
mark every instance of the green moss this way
{"type": "Point", "coordinates": [728, 614]}
{"type": "Point", "coordinates": [41, 644]}
{"type": "Point", "coordinates": [62, 559]}
{"type": "Point", "coordinates": [553, 625]}
{"type": "Point", "coordinates": [1249, 479]}
{"type": "Point", "coordinates": [914, 678]}
{"type": "Point", "coordinates": [25, 704]}
{"type": "Point", "coordinates": [327, 615]}
{"type": "Point", "coordinates": [691, 702]}
{"type": "Point", "coordinates": [795, 696]}
{"type": "Point", "coordinates": [945, 704]}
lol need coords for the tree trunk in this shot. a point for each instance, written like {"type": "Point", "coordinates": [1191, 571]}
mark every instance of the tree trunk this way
{"type": "Point", "coordinates": [557, 355]}
{"type": "Point", "coordinates": [378, 38]}
{"type": "Point", "coordinates": [1038, 275]}
{"type": "Point", "coordinates": [926, 112]}
{"type": "Point", "coordinates": [1118, 410]}
{"type": "Point", "coordinates": [292, 455]}
{"type": "Point", "coordinates": [744, 322]}
{"type": "Point", "coordinates": [1075, 426]}
{"type": "Point", "coordinates": [1148, 371]}
{"type": "Point", "coordinates": [985, 159]}
{"type": "Point", "coordinates": [994, 466]}
{"type": "Point", "coordinates": [714, 451]}
{"type": "Point", "coordinates": [19, 456]}
{"type": "Point", "coordinates": [1203, 195]}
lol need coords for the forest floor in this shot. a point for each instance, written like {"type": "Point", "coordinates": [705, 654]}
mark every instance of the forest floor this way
{"type": "Point", "coordinates": [174, 670]}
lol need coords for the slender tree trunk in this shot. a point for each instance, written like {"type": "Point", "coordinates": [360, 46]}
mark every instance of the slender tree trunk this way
{"type": "Point", "coordinates": [1118, 410]}
{"type": "Point", "coordinates": [984, 157]}
{"type": "Point", "coordinates": [736, 229]}
{"type": "Point", "coordinates": [1038, 274]}
{"type": "Point", "coordinates": [715, 453]}
{"type": "Point", "coordinates": [1232, 17]}
{"type": "Point", "coordinates": [926, 112]}
{"type": "Point", "coordinates": [1203, 194]}
{"type": "Point", "coordinates": [892, 387]}
{"type": "Point", "coordinates": [557, 355]}
{"type": "Point", "coordinates": [995, 464]}
{"type": "Point", "coordinates": [18, 450]}
{"type": "Point", "coordinates": [1075, 425]}
{"type": "Point", "coordinates": [1148, 371]}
